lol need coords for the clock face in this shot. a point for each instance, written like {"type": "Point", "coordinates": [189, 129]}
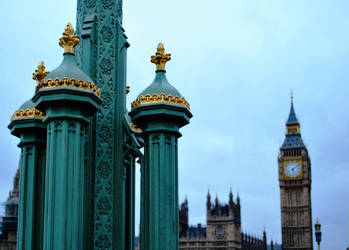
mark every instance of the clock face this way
{"type": "Point", "coordinates": [292, 169]}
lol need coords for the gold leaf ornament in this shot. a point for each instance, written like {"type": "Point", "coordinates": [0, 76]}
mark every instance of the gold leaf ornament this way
{"type": "Point", "coordinates": [27, 113]}
{"type": "Point", "coordinates": [40, 73]}
{"type": "Point", "coordinates": [72, 83]}
{"type": "Point", "coordinates": [69, 40]}
{"type": "Point", "coordinates": [160, 58]}
{"type": "Point", "coordinates": [160, 98]}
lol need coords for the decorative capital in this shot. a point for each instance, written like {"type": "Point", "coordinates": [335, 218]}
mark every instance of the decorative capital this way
{"type": "Point", "coordinates": [69, 40]}
{"type": "Point", "coordinates": [27, 113]}
{"type": "Point", "coordinates": [40, 72]}
{"type": "Point", "coordinates": [162, 98]}
{"type": "Point", "coordinates": [160, 58]}
{"type": "Point", "coordinates": [71, 83]}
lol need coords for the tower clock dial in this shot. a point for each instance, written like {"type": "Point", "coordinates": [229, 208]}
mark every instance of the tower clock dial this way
{"type": "Point", "coordinates": [292, 169]}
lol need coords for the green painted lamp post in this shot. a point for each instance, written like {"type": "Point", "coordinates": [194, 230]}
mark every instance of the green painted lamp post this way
{"type": "Point", "coordinates": [160, 111]}
{"type": "Point", "coordinates": [68, 97]}
{"type": "Point", "coordinates": [28, 126]}
{"type": "Point", "coordinates": [318, 233]}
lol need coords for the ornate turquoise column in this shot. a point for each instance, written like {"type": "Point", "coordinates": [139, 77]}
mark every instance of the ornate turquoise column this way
{"type": "Point", "coordinates": [26, 123]}
{"type": "Point", "coordinates": [111, 143]}
{"type": "Point", "coordinates": [160, 110]}
{"type": "Point", "coordinates": [68, 97]}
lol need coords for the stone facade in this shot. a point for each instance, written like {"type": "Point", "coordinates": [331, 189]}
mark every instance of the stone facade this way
{"type": "Point", "coordinates": [274, 246]}
{"type": "Point", "coordinates": [222, 231]}
{"type": "Point", "coordinates": [8, 225]}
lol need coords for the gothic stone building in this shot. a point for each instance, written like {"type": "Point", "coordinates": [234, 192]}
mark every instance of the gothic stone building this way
{"type": "Point", "coordinates": [222, 230]}
{"type": "Point", "coordinates": [8, 225]}
{"type": "Point", "coordinates": [295, 188]}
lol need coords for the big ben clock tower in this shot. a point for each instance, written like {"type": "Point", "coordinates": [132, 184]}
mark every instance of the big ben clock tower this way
{"type": "Point", "coordinates": [295, 188]}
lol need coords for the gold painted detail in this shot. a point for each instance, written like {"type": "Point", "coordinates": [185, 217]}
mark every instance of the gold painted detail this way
{"type": "Point", "coordinates": [135, 127]}
{"type": "Point", "coordinates": [128, 88]}
{"type": "Point", "coordinates": [153, 99]}
{"type": "Point", "coordinates": [27, 113]}
{"type": "Point", "coordinates": [40, 72]}
{"type": "Point", "coordinates": [293, 129]}
{"type": "Point", "coordinates": [160, 58]}
{"type": "Point", "coordinates": [71, 83]}
{"type": "Point", "coordinates": [299, 176]}
{"type": "Point", "coordinates": [69, 41]}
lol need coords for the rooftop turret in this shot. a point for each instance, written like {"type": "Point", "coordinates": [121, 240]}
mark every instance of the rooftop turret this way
{"type": "Point", "coordinates": [293, 137]}
{"type": "Point", "coordinates": [67, 74]}
{"type": "Point", "coordinates": [292, 118]}
{"type": "Point", "coordinates": [160, 90]}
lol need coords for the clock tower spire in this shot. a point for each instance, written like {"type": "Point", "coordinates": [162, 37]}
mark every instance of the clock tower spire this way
{"type": "Point", "coordinates": [292, 124]}
{"type": "Point", "coordinates": [294, 167]}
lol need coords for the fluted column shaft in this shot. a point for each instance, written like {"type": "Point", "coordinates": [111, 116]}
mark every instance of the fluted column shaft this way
{"type": "Point", "coordinates": [67, 111]}
{"type": "Point", "coordinates": [159, 187]}
{"type": "Point", "coordinates": [32, 134]}
{"type": "Point", "coordinates": [64, 225]}
{"type": "Point", "coordinates": [31, 197]}
{"type": "Point", "coordinates": [159, 174]}
{"type": "Point", "coordinates": [31, 201]}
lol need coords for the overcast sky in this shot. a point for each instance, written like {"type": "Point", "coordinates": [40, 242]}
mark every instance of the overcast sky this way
{"type": "Point", "coordinates": [236, 62]}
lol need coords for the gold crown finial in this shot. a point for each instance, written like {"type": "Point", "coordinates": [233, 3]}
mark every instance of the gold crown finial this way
{"type": "Point", "coordinates": [160, 58]}
{"type": "Point", "coordinates": [69, 41]}
{"type": "Point", "coordinates": [40, 72]}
